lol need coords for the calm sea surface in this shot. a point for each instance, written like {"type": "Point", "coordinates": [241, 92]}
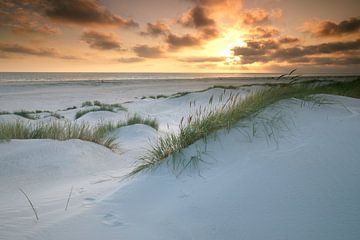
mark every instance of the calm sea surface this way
{"type": "Point", "coordinates": [7, 77]}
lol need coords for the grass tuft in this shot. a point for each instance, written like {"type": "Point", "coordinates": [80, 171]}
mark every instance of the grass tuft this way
{"type": "Point", "coordinates": [87, 104]}
{"type": "Point", "coordinates": [83, 112]}
{"type": "Point", "coordinates": [136, 119]}
{"type": "Point", "coordinates": [206, 122]}
{"type": "Point", "coordinates": [25, 114]}
{"type": "Point", "coordinates": [55, 130]}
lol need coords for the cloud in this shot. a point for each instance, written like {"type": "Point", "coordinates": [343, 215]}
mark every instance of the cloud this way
{"type": "Point", "coordinates": [101, 41]}
{"type": "Point", "coordinates": [288, 40]}
{"type": "Point", "coordinates": [228, 6]}
{"type": "Point", "coordinates": [146, 51]}
{"type": "Point", "coordinates": [264, 32]}
{"type": "Point", "coordinates": [176, 41]}
{"type": "Point", "coordinates": [197, 17]}
{"type": "Point", "coordinates": [20, 18]}
{"type": "Point", "coordinates": [84, 12]}
{"type": "Point", "coordinates": [208, 33]}
{"type": "Point", "coordinates": [32, 16]}
{"type": "Point", "coordinates": [259, 16]}
{"type": "Point", "coordinates": [209, 2]}
{"type": "Point", "coordinates": [155, 29]}
{"type": "Point", "coordinates": [40, 52]}
{"type": "Point", "coordinates": [267, 51]}
{"type": "Point", "coordinates": [179, 41]}
{"type": "Point", "coordinates": [131, 60]}
{"type": "Point", "coordinates": [331, 29]}
{"type": "Point", "coordinates": [201, 59]}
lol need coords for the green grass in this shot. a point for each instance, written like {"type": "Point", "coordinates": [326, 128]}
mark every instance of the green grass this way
{"type": "Point", "coordinates": [70, 108]}
{"type": "Point", "coordinates": [136, 119]}
{"type": "Point", "coordinates": [204, 123]}
{"type": "Point", "coordinates": [86, 104]}
{"type": "Point", "coordinates": [99, 134]}
{"type": "Point", "coordinates": [99, 107]}
{"type": "Point", "coordinates": [55, 130]}
{"type": "Point", "coordinates": [28, 114]}
{"type": "Point", "coordinates": [83, 112]}
{"type": "Point", "coordinates": [25, 114]}
{"type": "Point", "coordinates": [56, 115]}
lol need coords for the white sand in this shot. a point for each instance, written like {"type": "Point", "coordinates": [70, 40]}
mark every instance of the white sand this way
{"type": "Point", "coordinates": [296, 180]}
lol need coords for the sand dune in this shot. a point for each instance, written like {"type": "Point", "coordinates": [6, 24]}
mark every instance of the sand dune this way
{"type": "Point", "coordinates": [300, 182]}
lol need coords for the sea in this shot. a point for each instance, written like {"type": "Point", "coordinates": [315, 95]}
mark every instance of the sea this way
{"type": "Point", "coordinates": [71, 77]}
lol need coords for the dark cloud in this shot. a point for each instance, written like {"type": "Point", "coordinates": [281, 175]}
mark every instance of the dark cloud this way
{"type": "Point", "coordinates": [197, 17]}
{"type": "Point", "coordinates": [337, 61]}
{"type": "Point", "coordinates": [156, 29]}
{"type": "Point", "coordinates": [330, 29]}
{"type": "Point", "coordinates": [288, 40]}
{"type": "Point", "coordinates": [209, 33]}
{"type": "Point", "coordinates": [263, 32]}
{"type": "Point", "coordinates": [81, 12]}
{"type": "Point", "coordinates": [21, 17]}
{"type": "Point", "coordinates": [176, 41]}
{"type": "Point", "coordinates": [131, 60]}
{"type": "Point", "coordinates": [146, 51]}
{"type": "Point", "coordinates": [266, 51]}
{"type": "Point", "coordinates": [179, 41]}
{"type": "Point", "coordinates": [201, 59]}
{"type": "Point", "coordinates": [84, 12]}
{"type": "Point", "coordinates": [25, 50]}
{"type": "Point", "coordinates": [101, 41]}
{"type": "Point", "coordinates": [208, 2]}
{"type": "Point", "coordinates": [256, 48]}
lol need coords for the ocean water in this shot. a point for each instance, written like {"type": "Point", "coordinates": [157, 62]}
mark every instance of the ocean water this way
{"type": "Point", "coordinates": [43, 77]}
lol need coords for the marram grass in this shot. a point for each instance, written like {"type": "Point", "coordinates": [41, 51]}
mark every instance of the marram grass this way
{"type": "Point", "coordinates": [205, 122]}
{"type": "Point", "coordinates": [68, 130]}
{"type": "Point", "coordinates": [98, 106]}
{"type": "Point", "coordinates": [55, 130]}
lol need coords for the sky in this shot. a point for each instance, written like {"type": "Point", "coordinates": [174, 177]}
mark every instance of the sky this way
{"type": "Point", "coordinates": [250, 36]}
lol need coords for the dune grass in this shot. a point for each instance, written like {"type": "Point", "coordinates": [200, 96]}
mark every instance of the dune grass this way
{"type": "Point", "coordinates": [108, 127]}
{"type": "Point", "coordinates": [99, 134]}
{"type": "Point", "coordinates": [87, 104]}
{"type": "Point", "coordinates": [136, 119]}
{"type": "Point", "coordinates": [85, 111]}
{"type": "Point", "coordinates": [98, 106]}
{"type": "Point", "coordinates": [204, 122]}
{"type": "Point", "coordinates": [31, 114]}
{"type": "Point", "coordinates": [55, 130]}
{"type": "Point", "coordinates": [25, 114]}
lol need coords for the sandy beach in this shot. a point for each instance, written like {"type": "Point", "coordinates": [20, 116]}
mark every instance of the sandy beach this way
{"type": "Point", "coordinates": [288, 171]}
{"type": "Point", "coordinates": [179, 120]}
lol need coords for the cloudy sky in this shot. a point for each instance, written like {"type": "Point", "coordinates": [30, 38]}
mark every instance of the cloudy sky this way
{"type": "Point", "coordinates": [180, 35]}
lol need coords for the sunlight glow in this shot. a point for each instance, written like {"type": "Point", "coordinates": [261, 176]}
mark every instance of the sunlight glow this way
{"type": "Point", "coordinates": [224, 45]}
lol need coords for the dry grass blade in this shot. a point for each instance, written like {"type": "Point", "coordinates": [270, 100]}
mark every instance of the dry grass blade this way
{"type": "Point", "coordinates": [31, 204]}
{"type": "Point", "coordinates": [68, 200]}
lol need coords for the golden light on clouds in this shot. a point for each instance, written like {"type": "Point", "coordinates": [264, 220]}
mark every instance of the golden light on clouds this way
{"type": "Point", "coordinates": [186, 35]}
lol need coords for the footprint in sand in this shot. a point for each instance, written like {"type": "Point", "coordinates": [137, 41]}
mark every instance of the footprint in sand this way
{"type": "Point", "coordinates": [87, 202]}
{"type": "Point", "coordinates": [111, 220]}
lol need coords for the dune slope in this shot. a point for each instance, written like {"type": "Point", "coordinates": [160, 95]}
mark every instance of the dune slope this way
{"type": "Point", "coordinates": [295, 178]}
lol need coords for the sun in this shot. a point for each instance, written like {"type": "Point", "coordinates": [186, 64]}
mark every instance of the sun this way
{"type": "Point", "coordinates": [223, 46]}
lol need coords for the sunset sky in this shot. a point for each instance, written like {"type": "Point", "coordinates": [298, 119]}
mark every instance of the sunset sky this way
{"type": "Point", "coordinates": [180, 35]}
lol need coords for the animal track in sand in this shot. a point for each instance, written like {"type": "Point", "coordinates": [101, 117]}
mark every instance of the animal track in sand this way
{"type": "Point", "coordinates": [111, 220]}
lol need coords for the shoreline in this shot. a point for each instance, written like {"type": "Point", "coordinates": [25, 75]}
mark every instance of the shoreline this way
{"type": "Point", "coordinates": [266, 78]}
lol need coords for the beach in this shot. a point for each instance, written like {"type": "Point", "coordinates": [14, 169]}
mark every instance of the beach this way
{"type": "Point", "coordinates": [288, 172]}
